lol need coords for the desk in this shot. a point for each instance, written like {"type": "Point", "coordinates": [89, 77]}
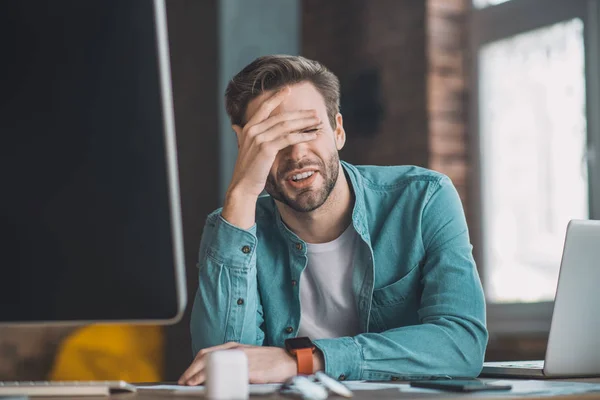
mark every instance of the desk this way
{"type": "Point", "coordinates": [380, 394]}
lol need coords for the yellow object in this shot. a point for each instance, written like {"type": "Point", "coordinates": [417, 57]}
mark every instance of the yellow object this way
{"type": "Point", "coordinates": [111, 352]}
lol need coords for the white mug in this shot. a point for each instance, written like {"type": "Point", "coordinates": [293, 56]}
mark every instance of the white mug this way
{"type": "Point", "coordinates": [227, 375]}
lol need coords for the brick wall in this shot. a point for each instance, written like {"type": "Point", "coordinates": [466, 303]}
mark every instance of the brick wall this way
{"type": "Point", "coordinates": [418, 49]}
{"type": "Point", "coordinates": [447, 89]}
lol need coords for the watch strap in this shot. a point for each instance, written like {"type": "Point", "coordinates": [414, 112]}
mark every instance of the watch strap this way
{"type": "Point", "coordinates": [305, 361]}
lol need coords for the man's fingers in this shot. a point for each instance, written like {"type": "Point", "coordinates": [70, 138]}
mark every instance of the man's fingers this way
{"type": "Point", "coordinates": [292, 139]}
{"type": "Point", "coordinates": [276, 119]}
{"type": "Point", "coordinates": [197, 379]}
{"type": "Point", "coordinates": [200, 361]}
{"type": "Point", "coordinates": [288, 127]}
{"type": "Point", "coordinates": [196, 367]}
{"type": "Point", "coordinates": [267, 107]}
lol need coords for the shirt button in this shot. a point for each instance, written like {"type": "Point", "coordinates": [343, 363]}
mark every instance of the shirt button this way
{"type": "Point", "coordinates": [342, 377]}
{"type": "Point", "coordinates": [240, 302]}
{"type": "Point", "coordinates": [289, 329]}
{"type": "Point", "coordinates": [294, 282]}
{"type": "Point", "coordinates": [298, 246]}
{"type": "Point", "coordinates": [246, 249]}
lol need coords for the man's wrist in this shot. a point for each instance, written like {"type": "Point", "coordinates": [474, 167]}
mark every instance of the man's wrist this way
{"type": "Point", "coordinates": [318, 361]}
{"type": "Point", "coordinates": [239, 209]}
{"type": "Point", "coordinates": [292, 365]}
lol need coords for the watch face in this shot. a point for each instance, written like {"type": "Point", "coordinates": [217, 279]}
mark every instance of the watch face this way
{"type": "Point", "coordinates": [299, 343]}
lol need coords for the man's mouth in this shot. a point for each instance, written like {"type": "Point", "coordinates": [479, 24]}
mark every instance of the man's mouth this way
{"type": "Point", "coordinates": [302, 176]}
{"type": "Point", "coordinates": [301, 179]}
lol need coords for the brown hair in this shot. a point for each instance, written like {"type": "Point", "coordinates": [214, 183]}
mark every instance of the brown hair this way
{"type": "Point", "coordinates": [274, 72]}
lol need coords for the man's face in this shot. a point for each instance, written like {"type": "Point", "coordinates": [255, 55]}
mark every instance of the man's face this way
{"type": "Point", "coordinates": [303, 175]}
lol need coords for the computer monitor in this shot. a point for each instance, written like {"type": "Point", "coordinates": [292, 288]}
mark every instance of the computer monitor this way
{"type": "Point", "coordinates": [90, 226]}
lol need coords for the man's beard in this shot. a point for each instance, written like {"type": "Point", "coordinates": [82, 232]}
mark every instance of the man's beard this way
{"type": "Point", "coordinates": [309, 199]}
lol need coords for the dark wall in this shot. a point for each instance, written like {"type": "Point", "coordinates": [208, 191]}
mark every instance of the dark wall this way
{"type": "Point", "coordinates": [194, 68]}
{"type": "Point", "coordinates": [378, 50]}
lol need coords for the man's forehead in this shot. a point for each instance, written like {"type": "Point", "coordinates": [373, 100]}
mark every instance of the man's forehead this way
{"type": "Point", "coordinates": [303, 96]}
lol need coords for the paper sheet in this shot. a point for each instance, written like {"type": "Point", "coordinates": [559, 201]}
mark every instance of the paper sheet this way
{"type": "Point", "coordinates": [255, 389]}
{"type": "Point", "coordinates": [272, 387]}
{"type": "Point", "coordinates": [521, 388]}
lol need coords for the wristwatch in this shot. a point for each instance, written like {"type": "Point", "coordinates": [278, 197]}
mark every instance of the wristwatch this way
{"type": "Point", "coordinates": [302, 348]}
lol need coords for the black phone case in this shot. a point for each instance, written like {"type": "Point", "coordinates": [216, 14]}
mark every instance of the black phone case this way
{"type": "Point", "coordinates": [455, 386]}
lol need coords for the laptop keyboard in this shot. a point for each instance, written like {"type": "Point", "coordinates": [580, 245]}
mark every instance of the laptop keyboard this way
{"type": "Point", "coordinates": [63, 388]}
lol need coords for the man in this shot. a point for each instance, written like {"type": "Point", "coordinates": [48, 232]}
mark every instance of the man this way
{"type": "Point", "coordinates": [372, 264]}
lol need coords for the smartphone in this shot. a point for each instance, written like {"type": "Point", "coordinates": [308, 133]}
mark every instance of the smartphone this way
{"type": "Point", "coordinates": [473, 385]}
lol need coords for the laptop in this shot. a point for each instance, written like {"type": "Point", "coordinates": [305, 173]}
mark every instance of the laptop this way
{"type": "Point", "coordinates": [573, 348]}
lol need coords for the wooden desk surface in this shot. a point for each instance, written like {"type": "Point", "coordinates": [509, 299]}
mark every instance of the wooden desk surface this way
{"type": "Point", "coordinates": [359, 395]}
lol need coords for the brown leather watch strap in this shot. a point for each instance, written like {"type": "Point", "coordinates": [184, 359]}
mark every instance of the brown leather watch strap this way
{"type": "Point", "coordinates": [305, 361]}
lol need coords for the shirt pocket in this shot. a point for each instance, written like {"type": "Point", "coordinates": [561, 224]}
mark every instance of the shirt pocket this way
{"type": "Point", "coordinates": [397, 304]}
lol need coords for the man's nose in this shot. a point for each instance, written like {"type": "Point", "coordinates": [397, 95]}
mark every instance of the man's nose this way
{"type": "Point", "coordinates": [296, 151]}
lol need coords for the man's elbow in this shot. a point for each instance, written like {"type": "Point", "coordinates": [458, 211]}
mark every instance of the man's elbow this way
{"type": "Point", "coordinates": [471, 360]}
{"type": "Point", "coordinates": [470, 368]}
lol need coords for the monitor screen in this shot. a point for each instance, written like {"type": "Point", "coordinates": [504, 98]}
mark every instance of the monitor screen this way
{"type": "Point", "coordinates": [90, 225]}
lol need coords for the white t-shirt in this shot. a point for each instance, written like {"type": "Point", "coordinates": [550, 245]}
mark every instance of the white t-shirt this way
{"type": "Point", "coordinates": [326, 297]}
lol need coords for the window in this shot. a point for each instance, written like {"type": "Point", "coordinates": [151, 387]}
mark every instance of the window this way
{"type": "Point", "coordinates": [536, 143]}
{"type": "Point", "coordinates": [533, 167]}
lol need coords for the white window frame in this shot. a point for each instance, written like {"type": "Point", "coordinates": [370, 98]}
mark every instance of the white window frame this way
{"type": "Point", "coordinates": [503, 21]}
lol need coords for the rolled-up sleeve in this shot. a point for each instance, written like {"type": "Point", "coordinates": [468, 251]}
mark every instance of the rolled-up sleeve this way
{"type": "Point", "coordinates": [227, 305]}
{"type": "Point", "coordinates": [451, 338]}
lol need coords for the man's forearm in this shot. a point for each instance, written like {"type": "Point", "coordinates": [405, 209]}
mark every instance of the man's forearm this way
{"type": "Point", "coordinates": [239, 209]}
{"type": "Point", "coordinates": [227, 306]}
{"type": "Point", "coordinates": [446, 347]}
{"type": "Point", "coordinates": [318, 362]}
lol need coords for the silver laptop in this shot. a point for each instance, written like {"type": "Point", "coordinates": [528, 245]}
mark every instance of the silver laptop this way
{"type": "Point", "coordinates": [574, 342]}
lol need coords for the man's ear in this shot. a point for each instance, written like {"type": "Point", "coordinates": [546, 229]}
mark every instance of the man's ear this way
{"type": "Point", "coordinates": [339, 133]}
{"type": "Point", "coordinates": [238, 133]}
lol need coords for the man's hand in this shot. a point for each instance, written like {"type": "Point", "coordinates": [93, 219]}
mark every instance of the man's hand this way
{"type": "Point", "coordinates": [265, 364]}
{"type": "Point", "coordinates": [259, 142]}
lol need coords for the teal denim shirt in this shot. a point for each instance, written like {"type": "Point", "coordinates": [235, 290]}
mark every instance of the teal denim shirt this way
{"type": "Point", "coordinates": [419, 298]}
